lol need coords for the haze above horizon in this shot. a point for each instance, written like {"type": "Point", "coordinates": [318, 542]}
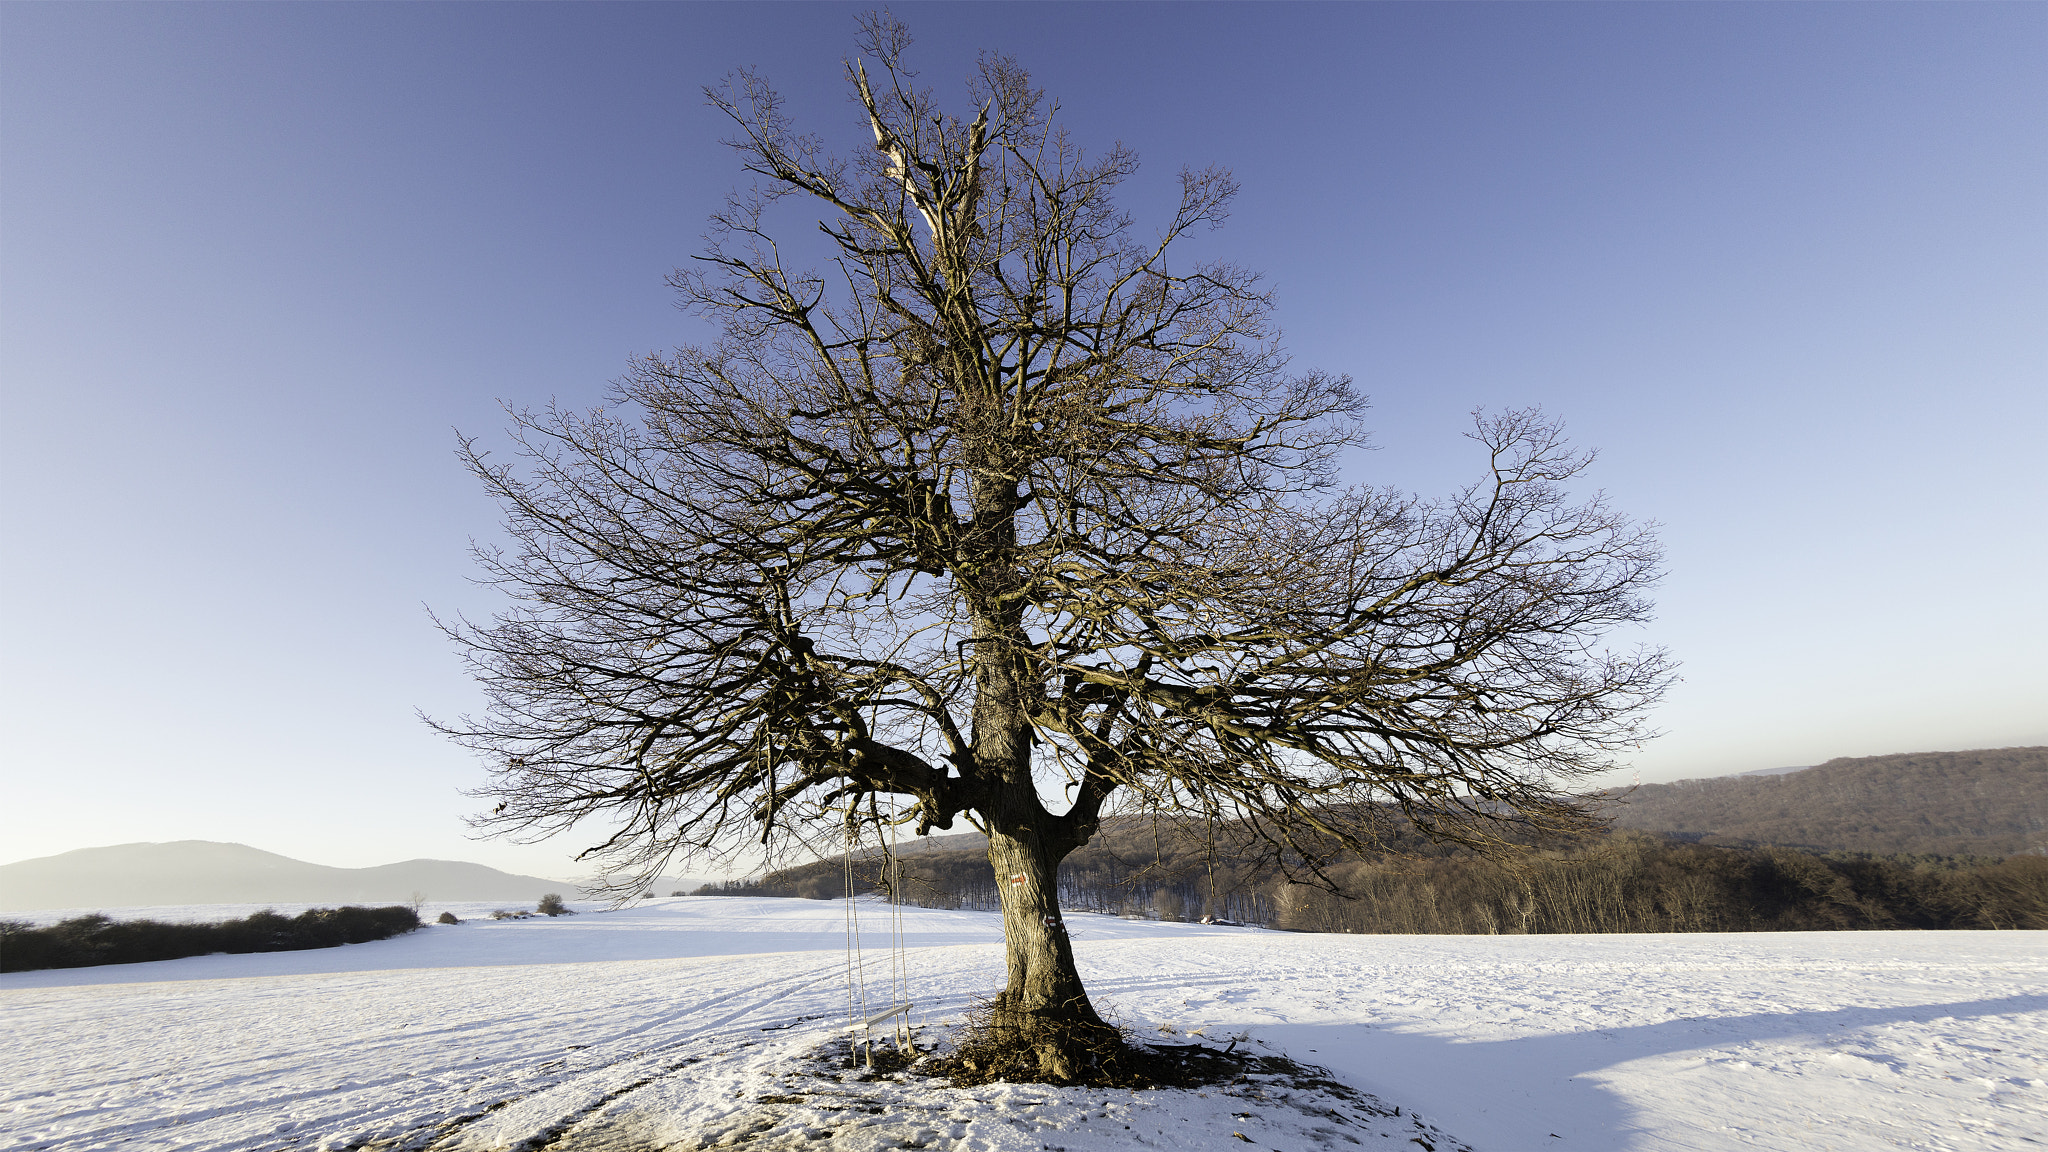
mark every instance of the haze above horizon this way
{"type": "Point", "coordinates": [1785, 266]}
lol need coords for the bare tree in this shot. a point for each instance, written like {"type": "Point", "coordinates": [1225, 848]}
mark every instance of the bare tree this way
{"type": "Point", "coordinates": [1000, 513]}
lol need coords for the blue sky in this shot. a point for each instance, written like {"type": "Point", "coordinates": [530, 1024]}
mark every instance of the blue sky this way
{"type": "Point", "coordinates": [1786, 266]}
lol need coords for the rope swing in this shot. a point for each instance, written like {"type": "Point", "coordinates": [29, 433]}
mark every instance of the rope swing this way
{"type": "Point", "coordinates": [860, 1021]}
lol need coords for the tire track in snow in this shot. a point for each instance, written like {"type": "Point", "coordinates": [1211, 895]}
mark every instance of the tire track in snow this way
{"type": "Point", "coordinates": [542, 1115]}
{"type": "Point", "coordinates": [403, 1107]}
{"type": "Point", "coordinates": [591, 1088]}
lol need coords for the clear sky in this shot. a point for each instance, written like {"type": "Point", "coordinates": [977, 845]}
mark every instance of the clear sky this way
{"type": "Point", "coordinates": [1785, 265]}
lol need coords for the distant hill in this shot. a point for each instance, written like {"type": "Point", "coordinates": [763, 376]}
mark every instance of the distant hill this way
{"type": "Point", "coordinates": [207, 872]}
{"type": "Point", "coordinates": [1990, 802]}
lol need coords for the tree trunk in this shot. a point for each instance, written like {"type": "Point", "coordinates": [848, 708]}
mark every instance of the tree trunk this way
{"type": "Point", "coordinates": [1042, 1027]}
{"type": "Point", "coordinates": [1043, 1018]}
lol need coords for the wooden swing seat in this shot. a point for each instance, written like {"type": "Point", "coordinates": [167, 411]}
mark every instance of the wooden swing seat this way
{"type": "Point", "coordinates": [902, 1009]}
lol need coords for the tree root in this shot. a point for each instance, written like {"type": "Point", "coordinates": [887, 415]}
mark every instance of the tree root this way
{"type": "Point", "coordinates": [996, 1046]}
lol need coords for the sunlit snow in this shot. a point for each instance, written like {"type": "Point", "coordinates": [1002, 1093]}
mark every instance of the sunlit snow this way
{"type": "Point", "coordinates": [684, 1022]}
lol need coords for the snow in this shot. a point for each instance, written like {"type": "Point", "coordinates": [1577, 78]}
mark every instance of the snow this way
{"type": "Point", "coordinates": [692, 1022]}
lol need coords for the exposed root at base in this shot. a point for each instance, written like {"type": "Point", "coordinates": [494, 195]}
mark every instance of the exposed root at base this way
{"type": "Point", "coordinates": [1082, 1053]}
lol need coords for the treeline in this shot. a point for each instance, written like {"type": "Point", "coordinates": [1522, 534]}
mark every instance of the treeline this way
{"type": "Point", "coordinates": [1636, 883]}
{"type": "Point", "coordinates": [1991, 802]}
{"type": "Point", "coordinates": [1626, 882]}
{"type": "Point", "coordinates": [88, 940]}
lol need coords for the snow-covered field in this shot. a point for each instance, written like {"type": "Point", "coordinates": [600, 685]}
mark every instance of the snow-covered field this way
{"type": "Point", "coordinates": [686, 1023]}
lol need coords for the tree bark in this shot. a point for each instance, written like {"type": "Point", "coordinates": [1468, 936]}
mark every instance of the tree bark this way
{"type": "Point", "coordinates": [1043, 1015]}
{"type": "Point", "coordinates": [1042, 1027]}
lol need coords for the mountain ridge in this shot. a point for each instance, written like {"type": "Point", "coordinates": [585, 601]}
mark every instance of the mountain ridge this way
{"type": "Point", "coordinates": [175, 872]}
{"type": "Point", "coordinates": [1983, 801]}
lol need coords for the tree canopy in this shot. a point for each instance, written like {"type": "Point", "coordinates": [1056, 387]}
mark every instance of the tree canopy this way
{"type": "Point", "coordinates": [1001, 511]}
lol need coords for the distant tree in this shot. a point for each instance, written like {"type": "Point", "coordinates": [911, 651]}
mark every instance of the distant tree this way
{"type": "Point", "coordinates": [551, 905]}
{"type": "Point", "coordinates": [1005, 515]}
{"type": "Point", "coordinates": [1168, 905]}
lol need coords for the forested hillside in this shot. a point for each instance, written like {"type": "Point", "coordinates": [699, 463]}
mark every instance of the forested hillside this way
{"type": "Point", "coordinates": [1990, 802]}
{"type": "Point", "coordinates": [1628, 882]}
{"type": "Point", "coordinates": [1908, 841]}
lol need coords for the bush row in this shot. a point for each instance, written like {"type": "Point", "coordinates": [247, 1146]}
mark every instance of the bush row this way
{"type": "Point", "coordinates": [88, 940]}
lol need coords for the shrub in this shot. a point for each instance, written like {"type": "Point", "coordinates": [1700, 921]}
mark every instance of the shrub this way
{"type": "Point", "coordinates": [84, 941]}
{"type": "Point", "coordinates": [551, 905]}
{"type": "Point", "coordinates": [447, 918]}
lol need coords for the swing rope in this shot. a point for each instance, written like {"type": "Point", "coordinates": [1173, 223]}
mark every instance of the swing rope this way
{"type": "Point", "coordinates": [899, 962]}
{"type": "Point", "coordinates": [860, 1021]}
{"type": "Point", "coordinates": [856, 976]}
